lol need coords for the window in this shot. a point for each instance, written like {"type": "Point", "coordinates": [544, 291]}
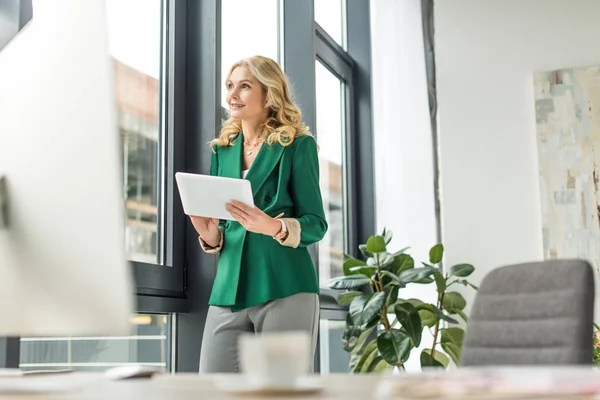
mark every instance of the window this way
{"type": "Point", "coordinates": [136, 44]}
{"type": "Point", "coordinates": [330, 134]}
{"type": "Point", "coordinates": [334, 359]}
{"type": "Point", "coordinates": [331, 16]}
{"type": "Point", "coordinates": [150, 99]}
{"type": "Point", "coordinates": [149, 344]}
{"type": "Point", "coordinates": [343, 122]}
{"type": "Point", "coordinates": [248, 28]}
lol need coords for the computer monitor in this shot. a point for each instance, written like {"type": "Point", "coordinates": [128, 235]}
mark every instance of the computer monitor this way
{"type": "Point", "coordinates": [63, 268]}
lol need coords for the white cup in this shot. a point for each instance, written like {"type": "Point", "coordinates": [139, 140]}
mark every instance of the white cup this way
{"type": "Point", "coordinates": [275, 359]}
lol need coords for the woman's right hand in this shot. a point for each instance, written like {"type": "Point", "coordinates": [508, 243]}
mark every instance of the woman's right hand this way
{"type": "Point", "coordinates": [208, 229]}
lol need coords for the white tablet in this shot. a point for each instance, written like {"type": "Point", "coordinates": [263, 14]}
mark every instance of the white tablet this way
{"type": "Point", "coordinates": [206, 195]}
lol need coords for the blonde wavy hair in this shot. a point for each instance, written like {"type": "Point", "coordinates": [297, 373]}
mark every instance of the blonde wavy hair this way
{"type": "Point", "coordinates": [284, 120]}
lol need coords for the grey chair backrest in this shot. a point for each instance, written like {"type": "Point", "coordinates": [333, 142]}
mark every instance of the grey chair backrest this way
{"type": "Point", "coordinates": [532, 314]}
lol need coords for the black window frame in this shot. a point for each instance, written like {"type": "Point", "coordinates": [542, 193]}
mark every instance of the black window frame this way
{"type": "Point", "coordinates": [352, 65]}
{"type": "Point", "coordinates": [161, 287]}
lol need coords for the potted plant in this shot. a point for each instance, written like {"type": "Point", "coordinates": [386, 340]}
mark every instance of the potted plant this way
{"type": "Point", "coordinates": [382, 328]}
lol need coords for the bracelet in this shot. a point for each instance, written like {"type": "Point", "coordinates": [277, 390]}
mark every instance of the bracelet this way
{"type": "Point", "coordinates": [281, 236]}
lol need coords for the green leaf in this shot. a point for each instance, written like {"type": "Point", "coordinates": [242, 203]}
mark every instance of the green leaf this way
{"type": "Point", "coordinates": [428, 311]}
{"type": "Point", "coordinates": [465, 283]}
{"type": "Point", "coordinates": [429, 362]}
{"type": "Point", "coordinates": [391, 293]}
{"type": "Point", "coordinates": [381, 260]}
{"type": "Point", "coordinates": [348, 282]}
{"type": "Point", "coordinates": [353, 362]}
{"type": "Point", "coordinates": [470, 284]}
{"type": "Point", "coordinates": [462, 270]}
{"type": "Point", "coordinates": [410, 320]}
{"type": "Point", "coordinates": [446, 318]}
{"type": "Point", "coordinates": [376, 244]}
{"type": "Point", "coordinates": [387, 235]}
{"type": "Point", "coordinates": [367, 365]}
{"type": "Point", "coordinates": [366, 307]}
{"type": "Point", "coordinates": [374, 364]}
{"type": "Point", "coordinates": [423, 306]}
{"type": "Point", "coordinates": [440, 314]}
{"type": "Point", "coordinates": [372, 323]}
{"type": "Point", "coordinates": [415, 274]}
{"type": "Point", "coordinates": [350, 262]}
{"type": "Point", "coordinates": [345, 298]}
{"type": "Point", "coordinates": [394, 346]}
{"type": "Point", "coordinates": [415, 302]}
{"type": "Point", "coordinates": [364, 251]}
{"type": "Point", "coordinates": [440, 282]}
{"type": "Point", "coordinates": [402, 262]}
{"type": "Point", "coordinates": [453, 350]}
{"type": "Point", "coordinates": [366, 271]}
{"type": "Point", "coordinates": [362, 339]}
{"type": "Point", "coordinates": [368, 350]}
{"type": "Point", "coordinates": [393, 278]}
{"type": "Point", "coordinates": [454, 301]}
{"type": "Point", "coordinates": [349, 321]}
{"type": "Point", "coordinates": [350, 337]}
{"type": "Point", "coordinates": [353, 266]}
{"type": "Point", "coordinates": [385, 259]}
{"type": "Point", "coordinates": [462, 315]}
{"type": "Point", "coordinates": [381, 365]}
{"type": "Point", "coordinates": [425, 280]}
{"type": "Point", "coordinates": [428, 318]}
{"type": "Point", "coordinates": [455, 335]}
{"type": "Point", "coordinates": [436, 253]}
{"type": "Point", "coordinates": [441, 360]}
{"type": "Point", "coordinates": [452, 340]}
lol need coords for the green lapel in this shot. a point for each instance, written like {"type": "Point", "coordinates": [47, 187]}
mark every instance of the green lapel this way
{"type": "Point", "coordinates": [265, 161]}
{"type": "Point", "coordinates": [231, 160]}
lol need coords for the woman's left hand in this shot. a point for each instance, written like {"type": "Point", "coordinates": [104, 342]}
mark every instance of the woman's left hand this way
{"type": "Point", "coordinates": [253, 218]}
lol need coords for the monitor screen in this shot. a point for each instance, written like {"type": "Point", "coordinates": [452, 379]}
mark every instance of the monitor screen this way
{"type": "Point", "coordinates": [63, 268]}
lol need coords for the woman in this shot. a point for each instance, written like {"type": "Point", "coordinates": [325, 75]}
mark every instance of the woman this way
{"type": "Point", "coordinates": [266, 280]}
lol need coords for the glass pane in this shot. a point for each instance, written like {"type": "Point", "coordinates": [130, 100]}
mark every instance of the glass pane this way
{"type": "Point", "coordinates": [149, 344]}
{"type": "Point", "coordinates": [237, 41]}
{"type": "Point", "coordinates": [331, 15]}
{"type": "Point", "coordinates": [330, 133]}
{"type": "Point", "coordinates": [135, 43]}
{"type": "Point", "coordinates": [334, 358]}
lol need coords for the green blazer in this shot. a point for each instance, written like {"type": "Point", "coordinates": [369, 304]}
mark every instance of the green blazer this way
{"type": "Point", "coordinates": [254, 268]}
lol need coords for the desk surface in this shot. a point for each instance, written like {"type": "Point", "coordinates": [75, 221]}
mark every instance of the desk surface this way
{"type": "Point", "coordinates": [179, 387]}
{"type": "Point", "coordinates": [196, 387]}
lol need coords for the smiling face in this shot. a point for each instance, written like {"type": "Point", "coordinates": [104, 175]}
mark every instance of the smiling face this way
{"type": "Point", "coordinates": [245, 96]}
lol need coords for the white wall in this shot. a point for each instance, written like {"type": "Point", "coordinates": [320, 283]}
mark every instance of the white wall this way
{"type": "Point", "coordinates": [403, 147]}
{"type": "Point", "coordinates": [486, 52]}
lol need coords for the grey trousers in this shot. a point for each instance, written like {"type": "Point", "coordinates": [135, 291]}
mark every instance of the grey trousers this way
{"type": "Point", "coordinates": [219, 352]}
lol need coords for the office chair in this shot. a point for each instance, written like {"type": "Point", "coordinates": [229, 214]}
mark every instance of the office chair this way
{"type": "Point", "coordinates": [537, 313]}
